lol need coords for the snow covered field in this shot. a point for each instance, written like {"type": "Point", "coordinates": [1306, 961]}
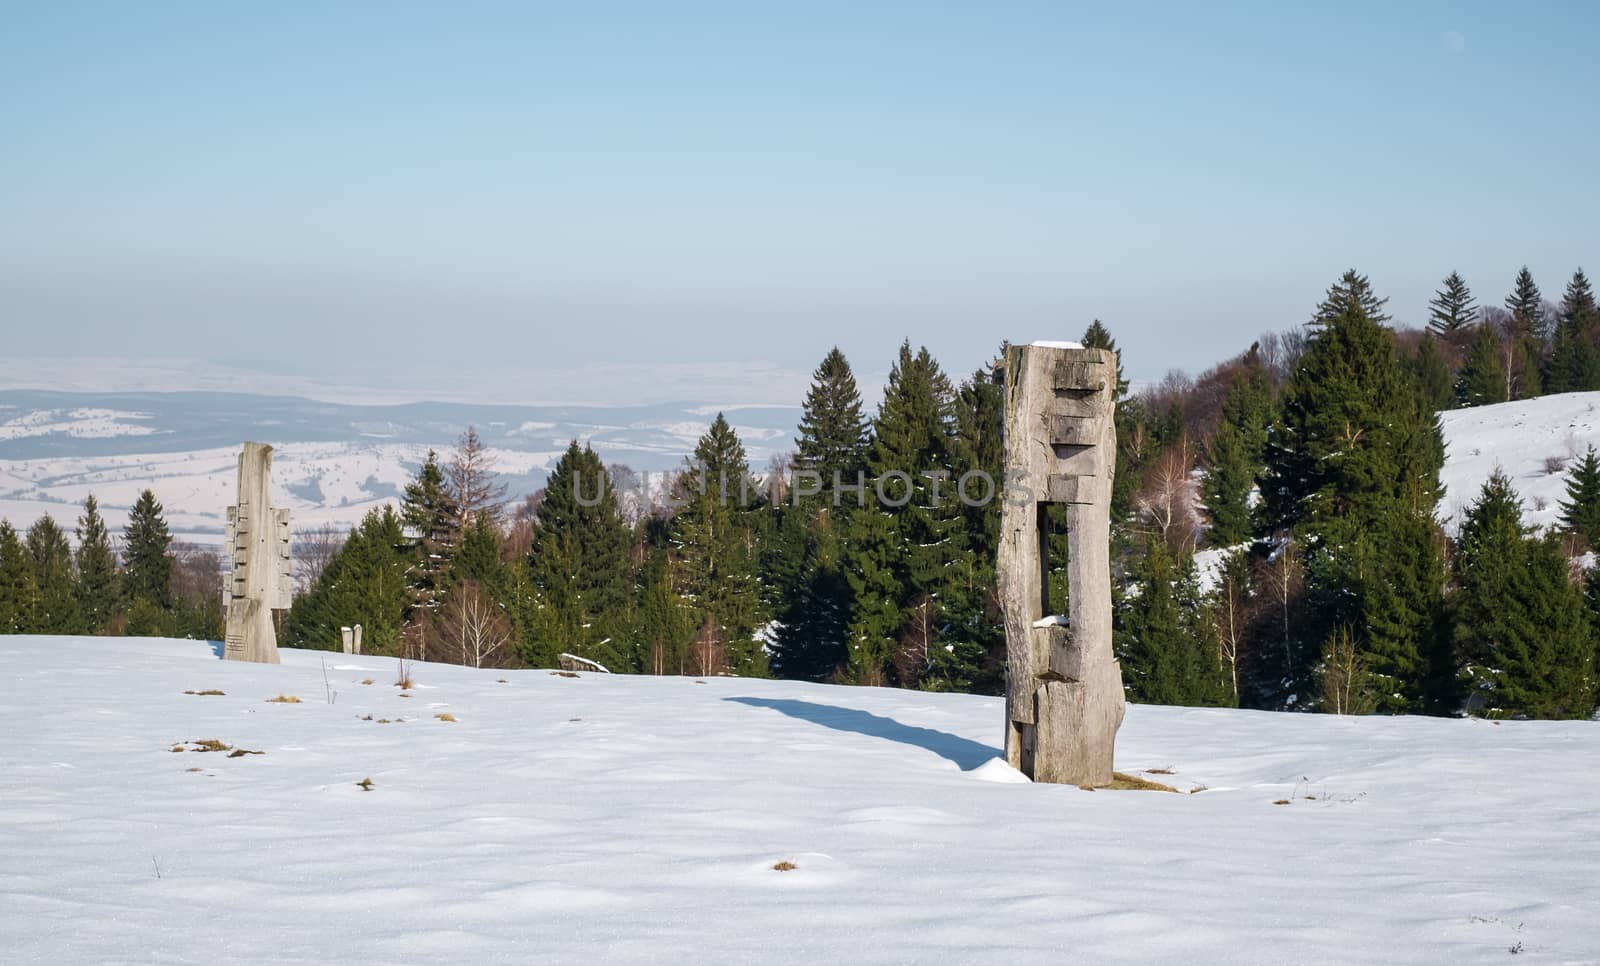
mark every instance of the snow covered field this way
{"type": "Point", "coordinates": [595, 818]}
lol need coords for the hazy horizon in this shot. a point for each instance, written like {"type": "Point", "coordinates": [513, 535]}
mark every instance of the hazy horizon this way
{"type": "Point", "coordinates": [626, 203]}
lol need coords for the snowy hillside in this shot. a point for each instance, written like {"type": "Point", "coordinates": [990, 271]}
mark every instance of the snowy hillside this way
{"type": "Point", "coordinates": [1535, 441]}
{"type": "Point", "coordinates": [585, 819]}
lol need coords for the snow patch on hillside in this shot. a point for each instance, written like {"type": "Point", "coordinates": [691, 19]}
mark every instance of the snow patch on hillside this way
{"type": "Point", "coordinates": [81, 423]}
{"type": "Point", "coordinates": [1536, 442]}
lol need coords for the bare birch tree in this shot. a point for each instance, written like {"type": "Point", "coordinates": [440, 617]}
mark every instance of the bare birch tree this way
{"type": "Point", "coordinates": [472, 626]}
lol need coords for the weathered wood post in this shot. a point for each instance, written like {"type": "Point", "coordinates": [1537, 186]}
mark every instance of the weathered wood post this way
{"type": "Point", "coordinates": [258, 547]}
{"type": "Point", "coordinates": [1064, 698]}
{"type": "Point", "coordinates": [347, 638]}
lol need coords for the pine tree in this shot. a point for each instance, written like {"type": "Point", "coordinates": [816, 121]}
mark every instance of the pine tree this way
{"type": "Point", "coordinates": [147, 566]}
{"type": "Point", "coordinates": [902, 547]}
{"type": "Point", "coordinates": [662, 628]}
{"type": "Point", "coordinates": [714, 534]}
{"type": "Point", "coordinates": [433, 521]}
{"type": "Point", "coordinates": [1574, 363]}
{"type": "Point", "coordinates": [1482, 380]}
{"type": "Point", "coordinates": [366, 582]}
{"type": "Point", "coordinates": [1352, 290]}
{"type": "Point", "coordinates": [1335, 452]}
{"type": "Point", "coordinates": [1230, 476]}
{"type": "Point", "coordinates": [1580, 511]}
{"type": "Point", "coordinates": [478, 559]}
{"type": "Point", "coordinates": [813, 616]}
{"type": "Point", "coordinates": [1526, 306]}
{"type": "Point", "coordinates": [579, 565]}
{"type": "Point", "coordinates": [1431, 375]}
{"type": "Point", "coordinates": [972, 659]}
{"type": "Point", "coordinates": [1406, 638]}
{"type": "Point", "coordinates": [833, 431]}
{"type": "Point", "coordinates": [1353, 469]}
{"type": "Point", "coordinates": [1452, 311]}
{"type": "Point", "coordinates": [55, 601]}
{"type": "Point", "coordinates": [1097, 336]}
{"type": "Point", "coordinates": [1524, 631]}
{"type": "Point", "coordinates": [1166, 642]}
{"type": "Point", "coordinates": [97, 568]}
{"type": "Point", "coordinates": [16, 583]}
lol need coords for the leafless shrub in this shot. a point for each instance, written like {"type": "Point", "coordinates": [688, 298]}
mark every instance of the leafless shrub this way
{"type": "Point", "coordinates": [1554, 464]}
{"type": "Point", "coordinates": [315, 548]}
{"type": "Point", "coordinates": [472, 627]}
{"type": "Point", "coordinates": [708, 655]}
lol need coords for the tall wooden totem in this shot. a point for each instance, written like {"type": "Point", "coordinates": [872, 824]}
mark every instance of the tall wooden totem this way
{"type": "Point", "coordinates": [1064, 698]}
{"type": "Point", "coordinates": [258, 549]}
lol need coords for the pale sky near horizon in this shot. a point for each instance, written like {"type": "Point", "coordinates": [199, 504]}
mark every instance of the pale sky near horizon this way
{"type": "Point", "coordinates": [401, 193]}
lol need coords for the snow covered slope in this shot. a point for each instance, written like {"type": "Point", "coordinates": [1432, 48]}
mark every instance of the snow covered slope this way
{"type": "Point", "coordinates": [1535, 441]}
{"type": "Point", "coordinates": [593, 818]}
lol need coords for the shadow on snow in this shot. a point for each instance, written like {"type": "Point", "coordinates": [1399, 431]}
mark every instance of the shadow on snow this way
{"type": "Point", "coordinates": [966, 754]}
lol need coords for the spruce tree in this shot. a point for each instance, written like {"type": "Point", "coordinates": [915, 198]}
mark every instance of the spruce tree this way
{"type": "Point", "coordinates": [1482, 380]}
{"type": "Point", "coordinates": [1351, 291]}
{"type": "Point", "coordinates": [366, 583]}
{"type": "Point", "coordinates": [147, 567]}
{"type": "Point", "coordinates": [714, 534]}
{"type": "Point", "coordinates": [97, 568]}
{"type": "Point", "coordinates": [55, 599]}
{"type": "Point", "coordinates": [16, 583]}
{"type": "Point", "coordinates": [1353, 471]}
{"type": "Point", "coordinates": [1335, 451]}
{"type": "Point", "coordinates": [1230, 476]}
{"type": "Point", "coordinates": [1524, 631]}
{"type": "Point", "coordinates": [1580, 511]}
{"type": "Point", "coordinates": [478, 559]}
{"type": "Point", "coordinates": [433, 521]}
{"type": "Point", "coordinates": [1452, 312]}
{"type": "Point", "coordinates": [579, 565]}
{"type": "Point", "coordinates": [813, 616]}
{"type": "Point", "coordinates": [1574, 363]}
{"type": "Point", "coordinates": [1526, 305]}
{"type": "Point", "coordinates": [903, 545]}
{"type": "Point", "coordinates": [1166, 642]}
{"type": "Point", "coordinates": [662, 628]}
{"type": "Point", "coordinates": [1234, 456]}
{"type": "Point", "coordinates": [1431, 375]}
{"type": "Point", "coordinates": [833, 431]}
{"type": "Point", "coordinates": [1406, 635]}
{"type": "Point", "coordinates": [1097, 336]}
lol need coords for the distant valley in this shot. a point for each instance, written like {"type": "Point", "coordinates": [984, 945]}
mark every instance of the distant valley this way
{"type": "Point", "coordinates": [333, 461]}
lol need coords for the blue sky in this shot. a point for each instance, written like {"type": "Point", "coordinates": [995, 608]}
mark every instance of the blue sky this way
{"type": "Point", "coordinates": [402, 192]}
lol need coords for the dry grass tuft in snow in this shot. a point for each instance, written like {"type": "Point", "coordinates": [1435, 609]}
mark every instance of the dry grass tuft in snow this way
{"type": "Point", "coordinates": [1121, 782]}
{"type": "Point", "coordinates": [445, 716]}
{"type": "Point", "coordinates": [204, 744]}
{"type": "Point", "coordinates": [210, 693]}
{"type": "Point", "coordinates": [284, 699]}
{"type": "Point", "coordinates": [785, 866]}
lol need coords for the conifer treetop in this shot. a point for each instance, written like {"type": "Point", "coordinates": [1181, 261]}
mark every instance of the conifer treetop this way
{"type": "Point", "coordinates": [1453, 308]}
